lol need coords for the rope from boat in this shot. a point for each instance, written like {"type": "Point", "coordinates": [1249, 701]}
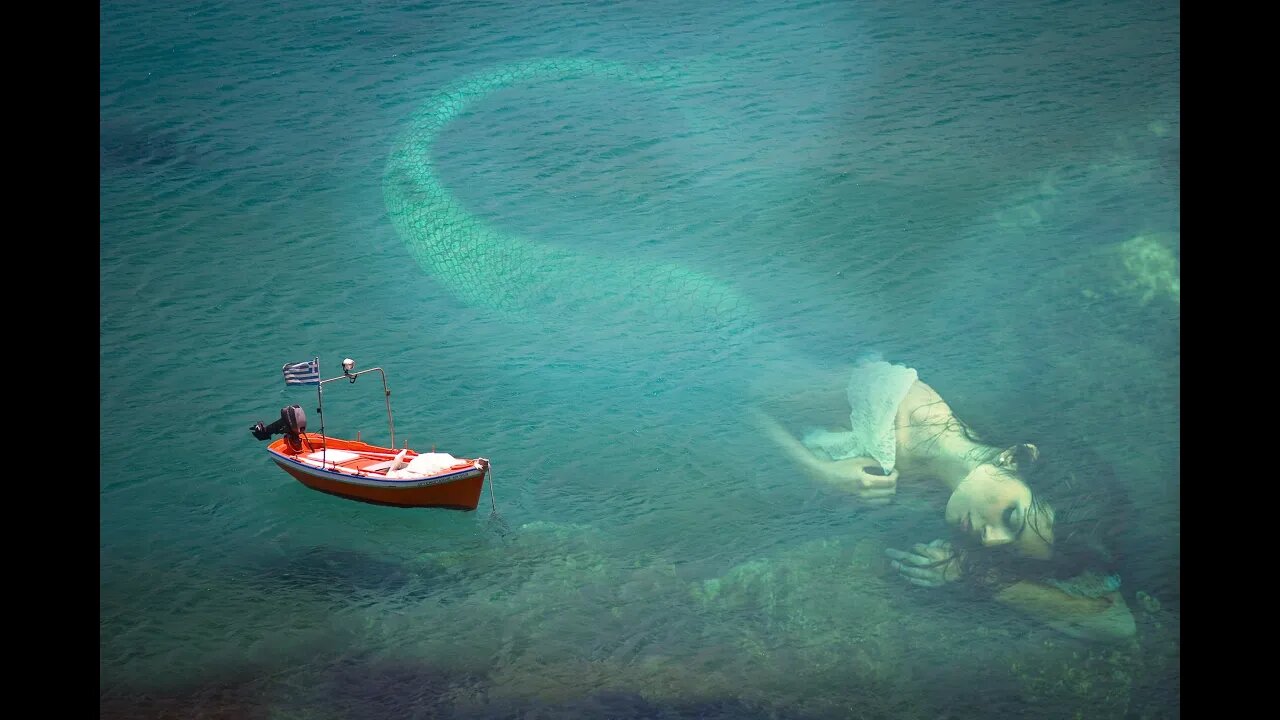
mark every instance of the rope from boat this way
{"type": "Point", "coordinates": [493, 503]}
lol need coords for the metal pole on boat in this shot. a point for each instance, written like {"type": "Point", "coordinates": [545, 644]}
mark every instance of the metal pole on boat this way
{"type": "Point", "coordinates": [387, 392]}
{"type": "Point", "coordinates": [324, 445]}
{"type": "Point", "coordinates": [348, 365]}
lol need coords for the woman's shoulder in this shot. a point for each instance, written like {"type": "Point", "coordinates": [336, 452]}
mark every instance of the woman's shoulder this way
{"type": "Point", "coordinates": [922, 405]}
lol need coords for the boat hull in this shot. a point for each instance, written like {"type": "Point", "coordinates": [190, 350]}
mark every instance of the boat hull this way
{"type": "Point", "coordinates": [351, 469]}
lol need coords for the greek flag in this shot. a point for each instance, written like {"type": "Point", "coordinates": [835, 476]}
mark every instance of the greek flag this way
{"type": "Point", "coordinates": [302, 373]}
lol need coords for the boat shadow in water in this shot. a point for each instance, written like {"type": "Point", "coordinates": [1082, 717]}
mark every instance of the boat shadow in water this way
{"type": "Point", "coordinates": [123, 146]}
{"type": "Point", "coordinates": [338, 573]}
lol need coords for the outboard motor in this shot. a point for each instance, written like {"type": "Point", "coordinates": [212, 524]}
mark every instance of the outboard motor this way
{"type": "Point", "coordinates": [292, 423]}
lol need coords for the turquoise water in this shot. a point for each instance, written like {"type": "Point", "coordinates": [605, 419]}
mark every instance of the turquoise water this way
{"type": "Point", "coordinates": [951, 185]}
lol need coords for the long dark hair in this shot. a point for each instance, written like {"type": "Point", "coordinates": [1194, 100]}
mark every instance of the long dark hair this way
{"type": "Point", "coordinates": [1091, 515]}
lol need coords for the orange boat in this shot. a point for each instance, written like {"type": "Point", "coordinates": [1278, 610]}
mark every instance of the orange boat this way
{"type": "Point", "coordinates": [356, 470]}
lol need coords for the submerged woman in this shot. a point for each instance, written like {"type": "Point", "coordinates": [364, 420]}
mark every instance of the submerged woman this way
{"type": "Point", "coordinates": [1037, 537]}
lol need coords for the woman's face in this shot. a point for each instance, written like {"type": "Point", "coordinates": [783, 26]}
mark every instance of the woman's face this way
{"type": "Point", "coordinates": [994, 508]}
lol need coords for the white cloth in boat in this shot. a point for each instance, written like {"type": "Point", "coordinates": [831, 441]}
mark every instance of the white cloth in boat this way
{"type": "Point", "coordinates": [332, 456]}
{"type": "Point", "coordinates": [424, 465]}
{"type": "Point", "coordinates": [875, 390]}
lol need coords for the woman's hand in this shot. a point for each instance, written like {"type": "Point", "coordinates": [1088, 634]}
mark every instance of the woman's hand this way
{"type": "Point", "coordinates": [862, 477]}
{"type": "Point", "coordinates": [932, 565]}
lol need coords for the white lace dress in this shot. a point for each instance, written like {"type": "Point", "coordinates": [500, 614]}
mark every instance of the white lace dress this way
{"type": "Point", "coordinates": [875, 390]}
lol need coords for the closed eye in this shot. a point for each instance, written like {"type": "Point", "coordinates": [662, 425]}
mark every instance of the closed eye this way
{"type": "Point", "coordinates": [1013, 520]}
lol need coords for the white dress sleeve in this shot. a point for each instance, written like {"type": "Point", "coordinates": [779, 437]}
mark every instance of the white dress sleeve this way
{"type": "Point", "coordinates": [875, 390]}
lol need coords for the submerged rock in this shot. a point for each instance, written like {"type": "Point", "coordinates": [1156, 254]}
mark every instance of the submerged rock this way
{"type": "Point", "coordinates": [1150, 266]}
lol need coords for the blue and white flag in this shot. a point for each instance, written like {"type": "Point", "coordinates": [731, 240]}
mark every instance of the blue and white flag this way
{"type": "Point", "coordinates": [302, 373]}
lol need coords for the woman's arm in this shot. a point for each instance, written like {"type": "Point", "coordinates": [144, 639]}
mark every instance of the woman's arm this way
{"type": "Point", "coordinates": [848, 474]}
{"type": "Point", "coordinates": [784, 440]}
{"type": "Point", "coordinates": [1105, 618]}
